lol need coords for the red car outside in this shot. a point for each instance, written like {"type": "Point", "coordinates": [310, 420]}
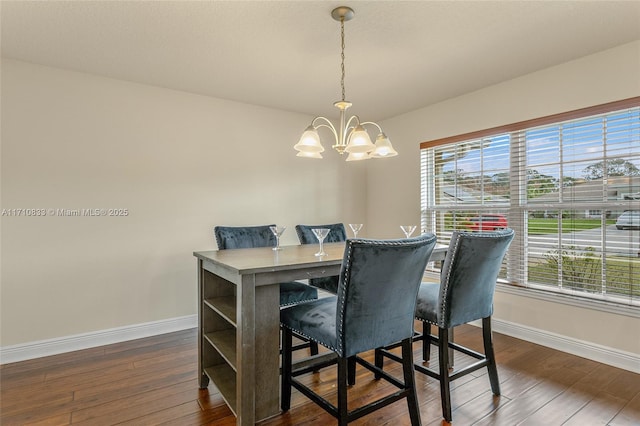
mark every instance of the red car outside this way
{"type": "Point", "coordinates": [487, 222]}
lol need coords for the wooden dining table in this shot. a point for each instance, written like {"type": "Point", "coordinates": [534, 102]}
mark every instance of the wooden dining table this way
{"type": "Point", "coordinates": [239, 319]}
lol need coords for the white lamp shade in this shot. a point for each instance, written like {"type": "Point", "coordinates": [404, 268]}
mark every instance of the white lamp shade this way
{"type": "Point", "coordinates": [359, 141]}
{"type": "Point", "coordinates": [309, 141]}
{"type": "Point", "coordinates": [309, 154]}
{"type": "Point", "coordinates": [357, 156]}
{"type": "Point", "coordinates": [383, 148]}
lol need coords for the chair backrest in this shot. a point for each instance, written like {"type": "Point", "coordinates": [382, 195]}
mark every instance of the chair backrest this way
{"type": "Point", "coordinates": [469, 275]}
{"type": "Point", "coordinates": [235, 237]}
{"type": "Point", "coordinates": [337, 233]}
{"type": "Point", "coordinates": [379, 281]}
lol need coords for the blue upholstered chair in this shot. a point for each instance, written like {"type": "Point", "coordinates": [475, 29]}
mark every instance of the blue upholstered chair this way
{"type": "Point", "coordinates": [232, 237]}
{"type": "Point", "coordinates": [337, 233]}
{"type": "Point", "coordinates": [291, 292]}
{"type": "Point", "coordinates": [464, 294]}
{"type": "Point", "coordinates": [374, 306]}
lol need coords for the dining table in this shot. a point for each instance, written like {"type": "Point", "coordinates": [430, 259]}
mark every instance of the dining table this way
{"type": "Point", "coordinates": [239, 319]}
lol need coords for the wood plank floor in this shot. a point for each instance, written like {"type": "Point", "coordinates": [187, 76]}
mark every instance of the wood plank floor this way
{"type": "Point", "coordinates": [153, 381]}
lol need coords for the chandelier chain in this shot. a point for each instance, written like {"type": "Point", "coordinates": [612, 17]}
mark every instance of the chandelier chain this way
{"type": "Point", "coordinates": [342, 55]}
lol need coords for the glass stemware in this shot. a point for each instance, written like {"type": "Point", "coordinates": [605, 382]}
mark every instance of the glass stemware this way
{"type": "Point", "coordinates": [355, 227]}
{"type": "Point", "coordinates": [321, 234]}
{"type": "Point", "coordinates": [408, 229]}
{"type": "Point", "coordinates": [277, 231]}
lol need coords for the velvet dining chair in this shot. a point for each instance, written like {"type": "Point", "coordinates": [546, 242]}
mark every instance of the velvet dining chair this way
{"type": "Point", "coordinates": [464, 294]}
{"type": "Point", "coordinates": [374, 306]}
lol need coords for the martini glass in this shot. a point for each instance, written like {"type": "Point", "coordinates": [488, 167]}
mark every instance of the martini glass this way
{"type": "Point", "coordinates": [355, 227]}
{"type": "Point", "coordinates": [321, 234]}
{"type": "Point", "coordinates": [408, 229]}
{"type": "Point", "coordinates": [277, 231]}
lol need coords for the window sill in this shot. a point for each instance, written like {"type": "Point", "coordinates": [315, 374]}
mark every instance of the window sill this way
{"type": "Point", "coordinates": [608, 306]}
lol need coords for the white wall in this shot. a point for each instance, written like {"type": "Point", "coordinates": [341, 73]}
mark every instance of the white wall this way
{"type": "Point", "coordinates": [393, 186]}
{"type": "Point", "coordinates": [180, 163]}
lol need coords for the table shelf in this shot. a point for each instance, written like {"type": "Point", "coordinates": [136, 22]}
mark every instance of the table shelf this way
{"type": "Point", "coordinates": [225, 306]}
{"type": "Point", "coordinates": [225, 343]}
{"type": "Point", "coordinates": [224, 379]}
{"type": "Point", "coordinates": [217, 359]}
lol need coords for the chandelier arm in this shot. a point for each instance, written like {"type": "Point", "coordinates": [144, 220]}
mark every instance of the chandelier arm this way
{"type": "Point", "coordinates": [327, 123]}
{"type": "Point", "coordinates": [372, 123]}
{"type": "Point", "coordinates": [348, 127]}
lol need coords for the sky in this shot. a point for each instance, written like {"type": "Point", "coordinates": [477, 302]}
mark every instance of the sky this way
{"type": "Point", "coordinates": [578, 144]}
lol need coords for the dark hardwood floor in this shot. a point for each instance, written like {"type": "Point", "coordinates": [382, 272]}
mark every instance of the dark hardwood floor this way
{"type": "Point", "coordinates": [153, 381]}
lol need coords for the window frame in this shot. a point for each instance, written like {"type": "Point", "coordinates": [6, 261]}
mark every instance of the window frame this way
{"type": "Point", "coordinates": [549, 119]}
{"type": "Point", "coordinates": [518, 205]}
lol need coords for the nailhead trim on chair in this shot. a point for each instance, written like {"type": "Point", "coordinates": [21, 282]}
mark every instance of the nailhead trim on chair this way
{"type": "Point", "coordinates": [343, 294]}
{"type": "Point", "coordinates": [310, 338]}
{"type": "Point", "coordinates": [446, 281]}
{"type": "Point", "coordinates": [296, 302]}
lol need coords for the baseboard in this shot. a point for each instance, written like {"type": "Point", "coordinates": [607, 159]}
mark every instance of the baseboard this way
{"type": "Point", "coordinates": [616, 358]}
{"type": "Point", "coordinates": [625, 360]}
{"type": "Point", "coordinates": [76, 342]}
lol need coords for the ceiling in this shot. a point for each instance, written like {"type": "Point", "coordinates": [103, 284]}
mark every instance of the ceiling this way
{"type": "Point", "coordinates": [400, 55]}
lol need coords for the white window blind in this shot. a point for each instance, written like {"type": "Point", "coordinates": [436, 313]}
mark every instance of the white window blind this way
{"type": "Point", "coordinates": [561, 186]}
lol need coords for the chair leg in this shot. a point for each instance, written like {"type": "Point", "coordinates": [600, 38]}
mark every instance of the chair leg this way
{"type": "Point", "coordinates": [445, 391]}
{"type": "Point", "coordinates": [313, 347]}
{"type": "Point", "coordinates": [351, 370]}
{"type": "Point", "coordinates": [343, 366]}
{"type": "Point", "coordinates": [410, 381]}
{"type": "Point", "coordinates": [491, 358]}
{"type": "Point", "coordinates": [451, 339]}
{"type": "Point", "coordinates": [287, 349]}
{"type": "Point", "coordinates": [426, 341]}
{"type": "Point", "coordinates": [378, 361]}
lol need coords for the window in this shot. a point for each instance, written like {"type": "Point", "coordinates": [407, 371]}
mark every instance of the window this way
{"type": "Point", "coordinates": [569, 185]}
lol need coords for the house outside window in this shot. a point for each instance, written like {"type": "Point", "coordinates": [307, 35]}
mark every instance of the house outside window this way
{"type": "Point", "coordinates": [561, 183]}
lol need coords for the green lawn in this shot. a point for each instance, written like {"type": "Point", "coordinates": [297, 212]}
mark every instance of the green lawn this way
{"type": "Point", "coordinates": [586, 274]}
{"type": "Point", "coordinates": [550, 226]}
{"type": "Point", "coordinates": [539, 226]}
{"type": "Point", "coordinates": [583, 271]}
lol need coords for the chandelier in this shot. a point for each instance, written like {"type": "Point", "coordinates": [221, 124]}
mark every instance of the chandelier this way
{"type": "Point", "coordinates": [351, 136]}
